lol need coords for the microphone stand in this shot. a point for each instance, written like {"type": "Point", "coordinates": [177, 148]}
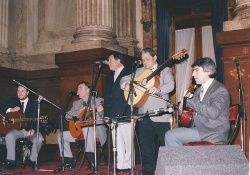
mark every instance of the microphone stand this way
{"type": "Point", "coordinates": [131, 93]}
{"type": "Point", "coordinates": [242, 109]}
{"type": "Point", "coordinates": [62, 115]}
{"type": "Point", "coordinates": [38, 117]}
{"type": "Point", "coordinates": [94, 95]}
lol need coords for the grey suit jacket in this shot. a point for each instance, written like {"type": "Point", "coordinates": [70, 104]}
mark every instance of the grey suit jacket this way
{"type": "Point", "coordinates": [154, 103]}
{"type": "Point", "coordinates": [100, 129]}
{"type": "Point", "coordinates": [212, 113]}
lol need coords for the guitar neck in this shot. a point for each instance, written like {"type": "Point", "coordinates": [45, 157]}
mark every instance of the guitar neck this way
{"type": "Point", "coordinates": [160, 68]}
{"type": "Point", "coordinates": [24, 120]}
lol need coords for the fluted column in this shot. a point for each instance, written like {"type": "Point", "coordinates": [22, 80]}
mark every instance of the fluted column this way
{"type": "Point", "coordinates": [242, 9]}
{"type": "Point", "coordinates": [4, 16]}
{"type": "Point", "coordinates": [125, 23]}
{"type": "Point", "coordinates": [241, 19]}
{"type": "Point", "coordinates": [94, 21]}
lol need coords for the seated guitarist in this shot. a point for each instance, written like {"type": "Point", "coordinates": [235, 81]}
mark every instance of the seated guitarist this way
{"type": "Point", "coordinates": [88, 132]}
{"type": "Point", "coordinates": [23, 104]}
{"type": "Point", "coordinates": [211, 105]}
{"type": "Point", "coordinates": [152, 129]}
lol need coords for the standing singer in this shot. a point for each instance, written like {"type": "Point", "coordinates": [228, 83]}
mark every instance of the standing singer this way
{"type": "Point", "coordinates": [116, 105]}
{"type": "Point", "coordinates": [152, 129]}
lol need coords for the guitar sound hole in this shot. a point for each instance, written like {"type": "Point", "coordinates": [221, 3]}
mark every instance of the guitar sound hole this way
{"type": "Point", "coordinates": [135, 94]}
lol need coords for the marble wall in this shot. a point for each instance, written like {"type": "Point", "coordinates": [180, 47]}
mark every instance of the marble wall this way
{"type": "Point", "coordinates": [33, 31]}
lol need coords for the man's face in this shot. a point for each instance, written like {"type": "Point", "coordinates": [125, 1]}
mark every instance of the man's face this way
{"type": "Point", "coordinates": [22, 93]}
{"type": "Point", "coordinates": [113, 63]}
{"type": "Point", "coordinates": [83, 91]}
{"type": "Point", "coordinates": [200, 76]}
{"type": "Point", "coordinates": [148, 61]}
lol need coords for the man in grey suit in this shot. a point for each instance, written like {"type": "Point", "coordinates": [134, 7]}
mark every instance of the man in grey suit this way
{"type": "Point", "coordinates": [152, 129]}
{"type": "Point", "coordinates": [211, 103]}
{"type": "Point", "coordinates": [88, 132]}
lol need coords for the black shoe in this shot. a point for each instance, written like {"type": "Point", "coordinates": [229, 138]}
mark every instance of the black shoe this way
{"type": "Point", "coordinates": [10, 165]}
{"type": "Point", "coordinates": [69, 163]}
{"type": "Point", "coordinates": [32, 165]}
{"type": "Point", "coordinates": [69, 166]}
{"type": "Point", "coordinates": [146, 173]}
{"type": "Point", "coordinates": [91, 167]}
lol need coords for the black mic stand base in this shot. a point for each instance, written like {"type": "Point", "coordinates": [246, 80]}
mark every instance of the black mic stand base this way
{"type": "Point", "coordinates": [95, 171]}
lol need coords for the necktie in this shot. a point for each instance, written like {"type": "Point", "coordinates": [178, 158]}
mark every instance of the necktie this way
{"type": "Point", "coordinates": [201, 93]}
{"type": "Point", "coordinates": [84, 104]}
{"type": "Point", "coordinates": [115, 76]}
{"type": "Point", "coordinates": [22, 107]}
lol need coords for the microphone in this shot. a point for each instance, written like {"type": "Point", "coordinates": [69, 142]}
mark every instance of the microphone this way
{"type": "Point", "coordinates": [138, 62]}
{"type": "Point", "coordinates": [73, 93]}
{"type": "Point", "coordinates": [236, 61]}
{"type": "Point", "coordinates": [163, 110]}
{"type": "Point", "coordinates": [101, 62]}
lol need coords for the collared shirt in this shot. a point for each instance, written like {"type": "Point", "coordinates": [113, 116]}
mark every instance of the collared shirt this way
{"type": "Point", "coordinates": [117, 72]}
{"type": "Point", "coordinates": [25, 103]}
{"type": "Point", "coordinates": [205, 87]}
{"type": "Point", "coordinates": [154, 67]}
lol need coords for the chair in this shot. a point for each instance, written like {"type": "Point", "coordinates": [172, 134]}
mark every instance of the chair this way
{"type": "Point", "coordinates": [23, 151]}
{"type": "Point", "coordinates": [100, 148]}
{"type": "Point", "coordinates": [234, 120]}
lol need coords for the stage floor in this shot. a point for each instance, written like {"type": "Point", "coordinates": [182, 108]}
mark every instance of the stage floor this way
{"type": "Point", "coordinates": [50, 167]}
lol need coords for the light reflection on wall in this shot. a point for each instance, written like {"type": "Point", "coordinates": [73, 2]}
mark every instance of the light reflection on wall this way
{"type": "Point", "coordinates": [234, 73]}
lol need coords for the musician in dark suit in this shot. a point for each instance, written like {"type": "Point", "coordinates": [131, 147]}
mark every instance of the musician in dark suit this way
{"type": "Point", "coordinates": [28, 107]}
{"type": "Point", "coordinates": [115, 105]}
{"type": "Point", "coordinates": [80, 106]}
{"type": "Point", "coordinates": [152, 129]}
{"type": "Point", "coordinates": [211, 103]}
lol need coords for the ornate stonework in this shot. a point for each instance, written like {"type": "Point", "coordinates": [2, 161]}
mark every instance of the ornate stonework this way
{"type": "Point", "coordinates": [33, 31]}
{"type": "Point", "coordinates": [240, 14]}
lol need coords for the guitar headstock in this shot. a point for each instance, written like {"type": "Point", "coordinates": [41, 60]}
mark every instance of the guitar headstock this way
{"type": "Point", "coordinates": [180, 54]}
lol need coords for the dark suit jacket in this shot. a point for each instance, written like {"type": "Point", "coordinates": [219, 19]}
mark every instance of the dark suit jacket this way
{"type": "Point", "coordinates": [30, 111]}
{"type": "Point", "coordinates": [114, 101]}
{"type": "Point", "coordinates": [212, 113]}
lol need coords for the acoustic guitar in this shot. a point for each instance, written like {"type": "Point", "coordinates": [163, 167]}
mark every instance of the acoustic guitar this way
{"type": "Point", "coordinates": [76, 125]}
{"type": "Point", "coordinates": [149, 78]}
{"type": "Point", "coordinates": [16, 121]}
{"type": "Point", "coordinates": [186, 116]}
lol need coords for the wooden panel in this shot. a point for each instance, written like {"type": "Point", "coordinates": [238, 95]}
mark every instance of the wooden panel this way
{"type": "Point", "coordinates": [237, 44]}
{"type": "Point", "coordinates": [44, 83]}
{"type": "Point", "coordinates": [78, 66]}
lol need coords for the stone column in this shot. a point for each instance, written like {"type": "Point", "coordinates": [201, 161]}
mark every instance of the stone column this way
{"type": "Point", "coordinates": [4, 20]}
{"type": "Point", "coordinates": [242, 9]}
{"type": "Point", "coordinates": [125, 25]}
{"type": "Point", "coordinates": [241, 18]}
{"type": "Point", "coordinates": [94, 22]}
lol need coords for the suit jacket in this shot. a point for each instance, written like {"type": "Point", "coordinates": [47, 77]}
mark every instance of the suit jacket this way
{"type": "Point", "coordinates": [154, 103]}
{"type": "Point", "coordinates": [212, 115]}
{"type": "Point", "coordinates": [115, 102]}
{"type": "Point", "coordinates": [100, 129]}
{"type": "Point", "coordinates": [30, 111]}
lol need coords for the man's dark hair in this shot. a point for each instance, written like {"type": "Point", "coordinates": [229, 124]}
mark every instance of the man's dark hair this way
{"type": "Point", "coordinates": [148, 50]}
{"type": "Point", "coordinates": [207, 64]}
{"type": "Point", "coordinates": [85, 83]}
{"type": "Point", "coordinates": [119, 56]}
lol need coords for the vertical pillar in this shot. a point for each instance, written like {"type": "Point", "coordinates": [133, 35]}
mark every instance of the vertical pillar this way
{"type": "Point", "coordinates": [241, 13]}
{"type": "Point", "coordinates": [124, 25]}
{"type": "Point", "coordinates": [4, 16]}
{"type": "Point", "coordinates": [242, 9]}
{"type": "Point", "coordinates": [94, 21]}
